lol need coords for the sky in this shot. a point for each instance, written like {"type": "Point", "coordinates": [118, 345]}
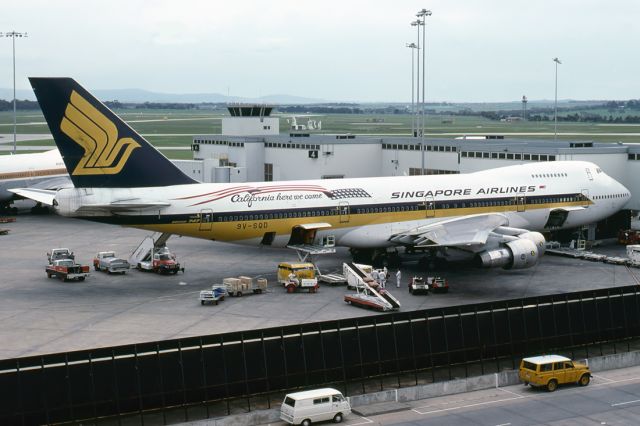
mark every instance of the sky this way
{"type": "Point", "coordinates": [346, 50]}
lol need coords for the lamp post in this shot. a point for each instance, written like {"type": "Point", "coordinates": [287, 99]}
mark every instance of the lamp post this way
{"type": "Point", "coordinates": [555, 103]}
{"type": "Point", "coordinates": [13, 35]}
{"type": "Point", "coordinates": [417, 24]}
{"type": "Point", "coordinates": [412, 46]}
{"type": "Point", "coordinates": [423, 14]}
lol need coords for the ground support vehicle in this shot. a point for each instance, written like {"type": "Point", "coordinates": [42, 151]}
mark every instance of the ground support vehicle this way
{"type": "Point", "coordinates": [418, 285]}
{"type": "Point", "coordinates": [550, 371]}
{"type": "Point", "coordinates": [303, 408]}
{"type": "Point", "coordinates": [438, 284]}
{"type": "Point", "coordinates": [368, 292]}
{"type": "Point", "coordinates": [60, 253]}
{"type": "Point", "coordinates": [628, 236]}
{"type": "Point", "coordinates": [161, 261]}
{"type": "Point", "coordinates": [213, 296]}
{"type": "Point", "coordinates": [107, 261]}
{"type": "Point", "coordinates": [237, 287]}
{"type": "Point", "coordinates": [67, 270]}
{"type": "Point", "coordinates": [298, 276]}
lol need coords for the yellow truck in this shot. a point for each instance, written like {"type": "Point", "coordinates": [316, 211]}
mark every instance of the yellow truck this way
{"type": "Point", "coordinates": [297, 276]}
{"type": "Point", "coordinates": [550, 371]}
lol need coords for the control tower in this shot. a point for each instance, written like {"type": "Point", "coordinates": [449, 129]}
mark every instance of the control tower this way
{"type": "Point", "coordinates": [250, 120]}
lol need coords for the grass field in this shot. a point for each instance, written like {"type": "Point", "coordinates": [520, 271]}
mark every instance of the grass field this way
{"type": "Point", "coordinates": [170, 128]}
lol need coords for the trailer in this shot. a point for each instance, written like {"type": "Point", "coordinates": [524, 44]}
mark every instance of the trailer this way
{"type": "Point", "coordinates": [237, 287]}
{"type": "Point", "coordinates": [368, 293]}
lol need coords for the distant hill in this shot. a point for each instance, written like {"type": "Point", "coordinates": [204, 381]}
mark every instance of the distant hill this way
{"type": "Point", "coordinates": [141, 96]}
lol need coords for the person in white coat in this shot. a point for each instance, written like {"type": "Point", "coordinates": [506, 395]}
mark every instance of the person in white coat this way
{"type": "Point", "coordinates": [398, 278]}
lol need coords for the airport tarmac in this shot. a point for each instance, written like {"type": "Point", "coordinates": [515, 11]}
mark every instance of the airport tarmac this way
{"type": "Point", "coordinates": [40, 315]}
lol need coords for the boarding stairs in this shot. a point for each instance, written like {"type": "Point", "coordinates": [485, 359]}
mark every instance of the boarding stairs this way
{"type": "Point", "coordinates": [368, 292]}
{"type": "Point", "coordinates": [306, 252]}
{"type": "Point", "coordinates": [143, 251]}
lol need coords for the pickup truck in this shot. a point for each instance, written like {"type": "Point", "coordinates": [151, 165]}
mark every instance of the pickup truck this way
{"type": "Point", "coordinates": [67, 269]}
{"type": "Point", "coordinates": [60, 253]}
{"type": "Point", "coordinates": [108, 262]}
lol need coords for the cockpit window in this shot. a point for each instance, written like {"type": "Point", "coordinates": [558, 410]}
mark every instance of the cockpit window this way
{"type": "Point", "coordinates": [589, 174]}
{"type": "Point", "coordinates": [598, 170]}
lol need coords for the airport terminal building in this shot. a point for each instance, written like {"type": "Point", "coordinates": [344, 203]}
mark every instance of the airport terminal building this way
{"type": "Point", "coordinates": [251, 149]}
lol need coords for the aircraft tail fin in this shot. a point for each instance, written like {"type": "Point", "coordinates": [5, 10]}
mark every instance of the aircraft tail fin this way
{"type": "Point", "coordinates": [99, 149]}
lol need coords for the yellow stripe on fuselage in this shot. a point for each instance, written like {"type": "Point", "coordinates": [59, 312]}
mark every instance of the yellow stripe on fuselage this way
{"type": "Point", "coordinates": [251, 229]}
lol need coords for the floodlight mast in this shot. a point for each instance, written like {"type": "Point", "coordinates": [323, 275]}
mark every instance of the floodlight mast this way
{"type": "Point", "coordinates": [417, 24]}
{"type": "Point", "coordinates": [413, 47]}
{"type": "Point", "coordinates": [13, 35]}
{"type": "Point", "coordinates": [555, 103]}
{"type": "Point", "coordinates": [423, 14]}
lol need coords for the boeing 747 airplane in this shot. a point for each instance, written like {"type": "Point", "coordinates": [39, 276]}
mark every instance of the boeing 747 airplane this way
{"type": "Point", "coordinates": [494, 217]}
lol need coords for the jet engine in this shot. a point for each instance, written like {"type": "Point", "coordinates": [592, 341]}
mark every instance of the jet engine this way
{"type": "Point", "coordinates": [518, 252]}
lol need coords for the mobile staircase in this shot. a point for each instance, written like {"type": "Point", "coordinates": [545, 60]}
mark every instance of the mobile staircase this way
{"type": "Point", "coordinates": [143, 251]}
{"type": "Point", "coordinates": [368, 293]}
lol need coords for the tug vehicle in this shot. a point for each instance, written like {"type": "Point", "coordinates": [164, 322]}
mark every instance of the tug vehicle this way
{"type": "Point", "coordinates": [418, 285]}
{"type": "Point", "coordinates": [213, 296]}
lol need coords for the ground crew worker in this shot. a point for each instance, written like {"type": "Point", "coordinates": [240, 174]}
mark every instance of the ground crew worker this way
{"type": "Point", "coordinates": [398, 278]}
{"type": "Point", "coordinates": [383, 278]}
{"type": "Point", "coordinates": [375, 276]}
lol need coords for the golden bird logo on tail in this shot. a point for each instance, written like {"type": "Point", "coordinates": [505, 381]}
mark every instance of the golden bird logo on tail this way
{"type": "Point", "coordinates": [104, 153]}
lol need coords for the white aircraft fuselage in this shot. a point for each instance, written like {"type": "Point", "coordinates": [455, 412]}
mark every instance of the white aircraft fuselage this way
{"type": "Point", "coordinates": [363, 212]}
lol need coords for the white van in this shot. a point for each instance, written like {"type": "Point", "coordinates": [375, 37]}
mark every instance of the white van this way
{"type": "Point", "coordinates": [302, 408]}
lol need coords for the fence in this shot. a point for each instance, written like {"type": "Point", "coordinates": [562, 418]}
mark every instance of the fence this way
{"type": "Point", "coordinates": [351, 354]}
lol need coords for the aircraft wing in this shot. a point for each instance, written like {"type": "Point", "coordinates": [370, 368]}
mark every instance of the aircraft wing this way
{"type": "Point", "coordinates": [465, 232]}
{"type": "Point", "coordinates": [123, 206]}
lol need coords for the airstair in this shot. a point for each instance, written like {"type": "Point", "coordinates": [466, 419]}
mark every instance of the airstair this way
{"type": "Point", "coordinates": [143, 251]}
{"type": "Point", "coordinates": [368, 293]}
{"type": "Point", "coordinates": [306, 252]}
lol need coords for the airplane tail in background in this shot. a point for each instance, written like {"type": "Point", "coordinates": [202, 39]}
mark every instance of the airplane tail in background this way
{"type": "Point", "coordinates": [98, 148]}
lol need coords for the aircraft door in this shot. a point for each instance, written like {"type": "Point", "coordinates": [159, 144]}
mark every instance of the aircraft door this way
{"type": "Point", "coordinates": [521, 202]}
{"type": "Point", "coordinates": [430, 206]}
{"type": "Point", "coordinates": [345, 211]}
{"type": "Point", "coordinates": [206, 219]}
{"type": "Point", "coordinates": [585, 198]}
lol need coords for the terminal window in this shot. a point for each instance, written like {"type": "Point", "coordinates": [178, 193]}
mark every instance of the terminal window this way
{"type": "Point", "coordinates": [268, 172]}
